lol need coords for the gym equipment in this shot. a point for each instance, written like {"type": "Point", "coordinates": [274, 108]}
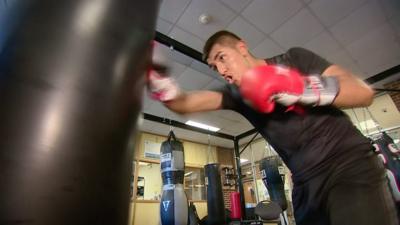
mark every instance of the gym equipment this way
{"type": "Point", "coordinates": [215, 200]}
{"type": "Point", "coordinates": [229, 176]}
{"type": "Point", "coordinates": [273, 180]}
{"type": "Point", "coordinates": [71, 83]}
{"type": "Point", "coordinates": [193, 216]}
{"type": "Point", "coordinates": [274, 183]}
{"type": "Point", "coordinates": [236, 213]}
{"type": "Point", "coordinates": [390, 155]}
{"type": "Point", "coordinates": [174, 203]}
{"type": "Point", "coordinates": [268, 210]}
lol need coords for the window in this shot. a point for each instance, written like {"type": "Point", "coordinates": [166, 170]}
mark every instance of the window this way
{"type": "Point", "coordinates": [149, 184]}
{"type": "Point", "coordinates": [194, 184]}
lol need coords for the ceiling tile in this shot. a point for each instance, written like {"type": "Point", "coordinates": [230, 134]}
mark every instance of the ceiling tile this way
{"type": "Point", "coordinates": [157, 109]}
{"type": "Point", "coordinates": [177, 69]}
{"type": "Point", "coordinates": [181, 58]}
{"type": "Point", "coordinates": [146, 101]}
{"type": "Point", "coordinates": [246, 31]}
{"type": "Point", "coordinates": [202, 117]}
{"type": "Point", "coordinates": [269, 15]}
{"type": "Point", "coordinates": [239, 128]}
{"type": "Point", "coordinates": [395, 22]}
{"type": "Point", "coordinates": [187, 38]}
{"type": "Point", "coordinates": [298, 30]}
{"type": "Point", "coordinates": [221, 16]}
{"type": "Point", "coordinates": [163, 26]}
{"type": "Point", "coordinates": [267, 48]}
{"type": "Point", "coordinates": [226, 143]}
{"type": "Point", "coordinates": [362, 20]}
{"type": "Point", "coordinates": [146, 125]}
{"type": "Point", "coordinates": [330, 12]}
{"type": "Point", "coordinates": [193, 80]}
{"type": "Point", "coordinates": [236, 5]}
{"type": "Point", "coordinates": [323, 44]}
{"type": "Point", "coordinates": [391, 8]}
{"type": "Point", "coordinates": [221, 122]}
{"type": "Point", "coordinates": [379, 67]}
{"type": "Point", "coordinates": [342, 58]}
{"type": "Point", "coordinates": [231, 115]}
{"type": "Point", "coordinates": [160, 129]}
{"type": "Point", "coordinates": [203, 68]}
{"type": "Point", "coordinates": [170, 10]}
{"type": "Point", "coordinates": [375, 48]}
{"type": "Point", "coordinates": [214, 85]}
{"type": "Point", "coordinates": [173, 55]}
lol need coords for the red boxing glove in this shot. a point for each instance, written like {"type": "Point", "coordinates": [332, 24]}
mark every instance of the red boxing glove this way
{"type": "Point", "coordinates": [264, 86]}
{"type": "Point", "coordinates": [260, 85]}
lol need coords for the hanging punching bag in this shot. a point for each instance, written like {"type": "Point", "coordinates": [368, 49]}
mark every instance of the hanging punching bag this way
{"type": "Point", "coordinates": [273, 180]}
{"type": "Point", "coordinates": [390, 155]}
{"type": "Point", "coordinates": [215, 197]}
{"type": "Point", "coordinates": [174, 203]}
{"type": "Point", "coordinates": [71, 81]}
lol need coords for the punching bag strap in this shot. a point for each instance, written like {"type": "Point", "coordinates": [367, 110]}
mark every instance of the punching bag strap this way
{"type": "Point", "coordinates": [171, 135]}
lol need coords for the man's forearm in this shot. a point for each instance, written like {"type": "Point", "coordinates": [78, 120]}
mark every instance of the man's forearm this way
{"type": "Point", "coordinates": [196, 101]}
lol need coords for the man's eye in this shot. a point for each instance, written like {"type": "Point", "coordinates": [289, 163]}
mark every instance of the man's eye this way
{"type": "Point", "coordinates": [213, 68]}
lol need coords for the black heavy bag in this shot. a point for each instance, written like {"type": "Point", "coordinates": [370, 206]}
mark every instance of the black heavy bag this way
{"type": "Point", "coordinates": [390, 155]}
{"type": "Point", "coordinates": [71, 83]}
{"type": "Point", "coordinates": [174, 203]}
{"type": "Point", "coordinates": [215, 197]}
{"type": "Point", "coordinates": [273, 180]}
{"type": "Point", "coordinates": [193, 216]}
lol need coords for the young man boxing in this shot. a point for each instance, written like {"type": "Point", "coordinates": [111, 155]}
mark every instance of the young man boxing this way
{"type": "Point", "coordinates": [294, 101]}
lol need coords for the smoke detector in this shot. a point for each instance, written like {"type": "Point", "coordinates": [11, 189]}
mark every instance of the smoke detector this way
{"type": "Point", "coordinates": [204, 18]}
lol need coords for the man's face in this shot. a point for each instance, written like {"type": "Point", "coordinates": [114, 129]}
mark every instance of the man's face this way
{"type": "Point", "coordinates": [229, 62]}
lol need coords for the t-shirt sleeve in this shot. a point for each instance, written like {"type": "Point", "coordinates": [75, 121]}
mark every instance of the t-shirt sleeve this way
{"type": "Point", "coordinates": [227, 98]}
{"type": "Point", "coordinates": [307, 61]}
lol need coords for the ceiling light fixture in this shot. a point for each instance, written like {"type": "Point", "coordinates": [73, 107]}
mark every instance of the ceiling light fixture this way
{"type": "Point", "coordinates": [243, 161]}
{"type": "Point", "coordinates": [202, 126]}
{"type": "Point", "coordinates": [204, 18]}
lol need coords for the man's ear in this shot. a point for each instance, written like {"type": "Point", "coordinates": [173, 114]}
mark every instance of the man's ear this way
{"type": "Point", "coordinates": [242, 47]}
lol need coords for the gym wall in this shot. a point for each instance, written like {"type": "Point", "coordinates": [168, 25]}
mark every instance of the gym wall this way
{"type": "Point", "coordinates": [394, 95]}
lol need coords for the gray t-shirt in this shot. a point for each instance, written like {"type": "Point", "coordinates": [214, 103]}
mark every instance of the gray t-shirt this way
{"type": "Point", "coordinates": [309, 143]}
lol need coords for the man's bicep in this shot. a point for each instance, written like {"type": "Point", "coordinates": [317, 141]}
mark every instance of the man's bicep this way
{"type": "Point", "coordinates": [353, 92]}
{"type": "Point", "coordinates": [337, 70]}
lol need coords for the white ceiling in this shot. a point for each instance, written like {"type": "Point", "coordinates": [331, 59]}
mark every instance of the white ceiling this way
{"type": "Point", "coordinates": [361, 35]}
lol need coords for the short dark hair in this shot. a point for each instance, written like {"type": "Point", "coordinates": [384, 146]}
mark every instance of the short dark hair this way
{"type": "Point", "coordinates": [221, 37]}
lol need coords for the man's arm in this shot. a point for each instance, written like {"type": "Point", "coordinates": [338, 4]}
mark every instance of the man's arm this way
{"type": "Point", "coordinates": [195, 101]}
{"type": "Point", "coordinates": [353, 92]}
